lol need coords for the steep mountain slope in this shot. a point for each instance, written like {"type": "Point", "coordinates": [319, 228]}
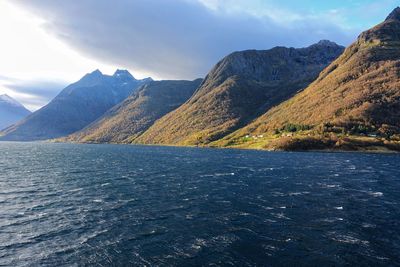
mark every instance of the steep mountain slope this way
{"type": "Point", "coordinates": [75, 107]}
{"type": "Point", "coordinates": [11, 111]}
{"type": "Point", "coordinates": [124, 122]}
{"type": "Point", "coordinates": [358, 94]}
{"type": "Point", "coordinates": [239, 88]}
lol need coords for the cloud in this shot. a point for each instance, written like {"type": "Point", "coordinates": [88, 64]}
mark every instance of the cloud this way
{"type": "Point", "coordinates": [173, 38]}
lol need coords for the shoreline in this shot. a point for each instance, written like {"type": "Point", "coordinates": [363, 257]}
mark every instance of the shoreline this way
{"type": "Point", "coordinates": [382, 150]}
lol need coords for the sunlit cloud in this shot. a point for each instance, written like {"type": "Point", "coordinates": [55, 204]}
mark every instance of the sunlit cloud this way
{"type": "Point", "coordinates": [33, 61]}
{"type": "Point", "coordinates": [174, 38]}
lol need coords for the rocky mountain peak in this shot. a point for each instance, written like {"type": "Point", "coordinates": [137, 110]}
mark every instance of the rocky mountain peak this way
{"type": "Point", "coordinates": [4, 97]}
{"type": "Point", "coordinates": [394, 15]}
{"type": "Point", "coordinates": [326, 43]}
{"type": "Point", "coordinates": [9, 100]}
{"type": "Point", "coordinates": [123, 74]}
{"type": "Point", "coordinates": [90, 79]}
{"type": "Point", "coordinates": [147, 80]}
{"type": "Point", "coordinates": [11, 111]}
{"type": "Point", "coordinates": [384, 34]}
{"type": "Point", "coordinates": [96, 72]}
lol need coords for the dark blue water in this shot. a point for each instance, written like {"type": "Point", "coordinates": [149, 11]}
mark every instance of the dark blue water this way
{"type": "Point", "coordinates": [106, 205]}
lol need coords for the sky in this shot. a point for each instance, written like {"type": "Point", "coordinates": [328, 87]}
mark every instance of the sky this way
{"type": "Point", "coordinates": [47, 44]}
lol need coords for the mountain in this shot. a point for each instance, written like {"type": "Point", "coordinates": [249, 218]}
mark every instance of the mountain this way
{"type": "Point", "coordinates": [127, 120]}
{"type": "Point", "coordinates": [11, 111]}
{"type": "Point", "coordinates": [240, 87]}
{"type": "Point", "coordinates": [75, 107]}
{"type": "Point", "coordinates": [354, 102]}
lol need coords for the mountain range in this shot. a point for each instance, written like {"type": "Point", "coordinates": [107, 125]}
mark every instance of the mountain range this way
{"type": "Point", "coordinates": [357, 95]}
{"type": "Point", "coordinates": [238, 89]}
{"type": "Point", "coordinates": [319, 97]}
{"type": "Point", "coordinates": [11, 111]}
{"type": "Point", "coordinates": [127, 120]}
{"type": "Point", "coordinates": [75, 107]}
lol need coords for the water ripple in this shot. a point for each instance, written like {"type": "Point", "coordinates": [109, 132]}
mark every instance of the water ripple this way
{"type": "Point", "coordinates": [105, 205]}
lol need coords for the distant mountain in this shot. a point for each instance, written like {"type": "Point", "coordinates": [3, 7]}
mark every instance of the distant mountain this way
{"type": "Point", "coordinates": [355, 97]}
{"type": "Point", "coordinates": [127, 120]}
{"type": "Point", "coordinates": [239, 88]}
{"type": "Point", "coordinates": [75, 107]}
{"type": "Point", "coordinates": [11, 111]}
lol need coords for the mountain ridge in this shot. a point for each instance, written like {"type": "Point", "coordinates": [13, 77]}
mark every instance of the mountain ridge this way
{"type": "Point", "coordinates": [127, 120]}
{"type": "Point", "coordinates": [239, 88]}
{"type": "Point", "coordinates": [356, 96]}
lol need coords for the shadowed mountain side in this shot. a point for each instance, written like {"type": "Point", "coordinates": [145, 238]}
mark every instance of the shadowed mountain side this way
{"type": "Point", "coordinates": [124, 122]}
{"type": "Point", "coordinates": [75, 107]}
{"type": "Point", "coordinates": [11, 111]}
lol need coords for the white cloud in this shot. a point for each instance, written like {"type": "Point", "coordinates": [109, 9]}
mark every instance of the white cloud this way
{"type": "Point", "coordinates": [258, 8]}
{"type": "Point", "coordinates": [26, 50]}
{"type": "Point", "coordinates": [172, 38]}
{"type": "Point", "coordinates": [31, 58]}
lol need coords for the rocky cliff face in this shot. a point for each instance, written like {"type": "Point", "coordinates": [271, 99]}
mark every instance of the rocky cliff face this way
{"type": "Point", "coordinates": [238, 89]}
{"type": "Point", "coordinates": [75, 107]}
{"type": "Point", "coordinates": [126, 121]}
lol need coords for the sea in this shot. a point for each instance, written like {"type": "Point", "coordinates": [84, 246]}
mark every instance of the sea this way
{"type": "Point", "coordinates": [126, 205]}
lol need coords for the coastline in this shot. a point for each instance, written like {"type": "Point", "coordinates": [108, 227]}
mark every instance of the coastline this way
{"type": "Point", "coordinates": [375, 150]}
